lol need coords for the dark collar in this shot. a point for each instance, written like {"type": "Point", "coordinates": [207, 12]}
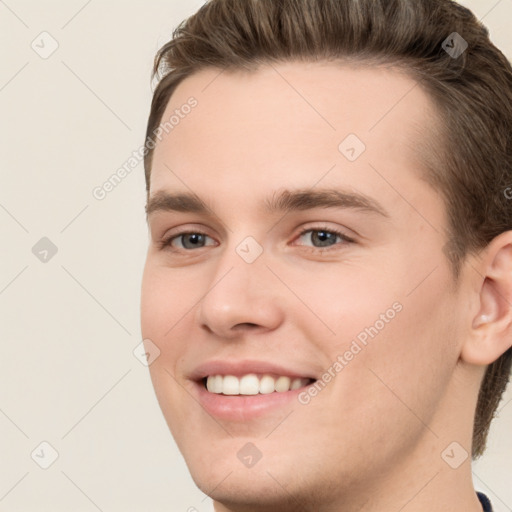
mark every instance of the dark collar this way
{"type": "Point", "coordinates": [485, 501]}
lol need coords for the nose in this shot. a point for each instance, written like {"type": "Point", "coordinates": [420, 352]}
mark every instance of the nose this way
{"type": "Point", "coordinates": [241, 297]}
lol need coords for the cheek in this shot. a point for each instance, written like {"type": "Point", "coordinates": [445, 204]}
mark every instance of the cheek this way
{"type": "Point", "coordinates": [164, 308]}
{"type": "Point", "coordinates": [165, 300]}
{"type": "Point", "coordinates": [407, 365]}
{"type": "Point", "coordinates": [393, 384]}
{"type": "Point", "coordinates": [395, 344]}
{"type": "Point", "coordinates": [338, 303]}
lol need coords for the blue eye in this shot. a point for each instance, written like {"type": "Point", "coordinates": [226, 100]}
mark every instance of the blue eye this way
{"type": "Point", "coordinates": [321, 238]}
{"type": "Point", "coordinates": [192, 240]}
{"type": "Point", "coordinates": [324, 237]}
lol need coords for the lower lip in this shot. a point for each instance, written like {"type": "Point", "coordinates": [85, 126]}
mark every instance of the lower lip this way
{"type": "Point", "coordinates": [243, 408]}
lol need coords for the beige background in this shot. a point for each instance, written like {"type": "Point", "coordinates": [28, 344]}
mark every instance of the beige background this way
{"type": "Point", "coordinates": [69, 326]}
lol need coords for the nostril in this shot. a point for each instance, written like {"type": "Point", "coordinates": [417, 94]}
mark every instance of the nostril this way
{"type": "Point", "coordinates": [246, 325]}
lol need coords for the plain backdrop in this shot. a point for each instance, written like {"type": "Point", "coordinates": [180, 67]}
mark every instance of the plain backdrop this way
{"type": "Point", "coordinates": [71, 264]}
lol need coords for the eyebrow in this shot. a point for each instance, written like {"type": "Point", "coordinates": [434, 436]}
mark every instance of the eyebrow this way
{"type": "Point", "coordinates": [281, 202]}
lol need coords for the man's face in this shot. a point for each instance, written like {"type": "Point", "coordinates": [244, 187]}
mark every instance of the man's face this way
{"type": "Point", "coordinates": [278, 292]}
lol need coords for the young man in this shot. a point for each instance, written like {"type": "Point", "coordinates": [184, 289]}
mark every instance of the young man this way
{"type": "Point", "coordinates": [328, 285]}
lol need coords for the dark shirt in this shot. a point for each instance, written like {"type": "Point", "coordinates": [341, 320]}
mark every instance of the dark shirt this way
{"type": "Point", "coordinates": [484, 500]}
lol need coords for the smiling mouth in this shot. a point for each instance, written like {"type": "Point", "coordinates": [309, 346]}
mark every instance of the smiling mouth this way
{"type": "Point", "coordinates": [253, 384]}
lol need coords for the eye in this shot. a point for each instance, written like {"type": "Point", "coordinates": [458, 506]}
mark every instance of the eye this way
{"type": "Point", "coordinates": [190, 240]}
{"type": "Point", "coordinates": [324, 237]}
{"type": "Point", "coordinates": [321, 238]}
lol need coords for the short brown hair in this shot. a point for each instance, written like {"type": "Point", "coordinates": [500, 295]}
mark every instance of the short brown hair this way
{"type": "Point", "coordinates": [469, 160]}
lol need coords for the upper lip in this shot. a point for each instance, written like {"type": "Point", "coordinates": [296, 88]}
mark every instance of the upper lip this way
{"type": "Point", "coordinates": [244, 367]}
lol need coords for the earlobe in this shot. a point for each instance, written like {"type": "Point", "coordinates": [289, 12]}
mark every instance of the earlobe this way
{"type": "Point", "coordinates": [490, 334]}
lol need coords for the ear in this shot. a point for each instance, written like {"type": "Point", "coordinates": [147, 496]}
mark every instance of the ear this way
{"type": "Point", "coordinates": [491, 330]}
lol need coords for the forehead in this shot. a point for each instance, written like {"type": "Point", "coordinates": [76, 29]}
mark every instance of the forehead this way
{"type": "Point", "coordinates": [261, 129]}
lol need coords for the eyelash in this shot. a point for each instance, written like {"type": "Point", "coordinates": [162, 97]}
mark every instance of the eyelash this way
{"type": "Point", "coordinates": [166, 243]}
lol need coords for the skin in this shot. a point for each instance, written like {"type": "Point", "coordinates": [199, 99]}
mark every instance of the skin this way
{"type": "Point", "coordinates": [373, 439]}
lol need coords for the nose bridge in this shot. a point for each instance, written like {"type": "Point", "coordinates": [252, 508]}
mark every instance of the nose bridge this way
{"type": "Point", "coordinates": [241, 265]}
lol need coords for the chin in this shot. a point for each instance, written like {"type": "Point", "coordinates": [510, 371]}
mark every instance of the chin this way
{"type": "Point", "coordinates": [245, 491]}
{"type": "Point", "coordinates": [223, 476]}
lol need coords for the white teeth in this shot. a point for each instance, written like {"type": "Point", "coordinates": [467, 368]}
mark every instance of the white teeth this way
{"type": "Point", "coordinates": [267, 385]}
{"type": "Point", "coordinates": [217, 388]}
{"type": "Point", "coordinates": [231, 385]}
{"type": "Point", "coordinates": [296, 384]}
{"type": "Point", "coordinates": [251, 384]}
